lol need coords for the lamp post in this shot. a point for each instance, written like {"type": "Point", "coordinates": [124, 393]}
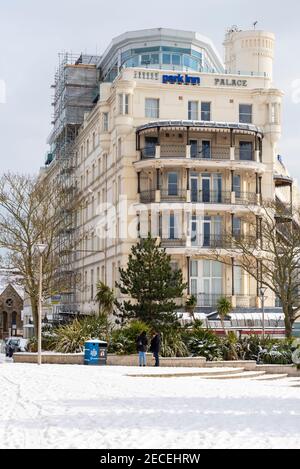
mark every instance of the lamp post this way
{"type": "Point", "coordinates": [40, 248]}
{"type": "Point", "coordinates": [262, 296]}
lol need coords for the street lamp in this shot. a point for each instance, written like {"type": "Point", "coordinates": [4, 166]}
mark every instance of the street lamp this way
{"type": "Point", "coordinates": [262, 296]}
{"type": "Point", "coordinates": [40, 249]}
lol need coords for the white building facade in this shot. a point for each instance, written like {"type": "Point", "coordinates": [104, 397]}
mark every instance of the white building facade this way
{"type": "Point", "coordinates": [183, 146]}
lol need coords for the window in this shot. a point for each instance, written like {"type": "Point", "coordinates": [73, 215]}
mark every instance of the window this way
{"type": "Point", "coordinates": [246, 151]}
{"type": "Point", "coordinates": [105, 122]}
{"type": "Point", "coordinates": [193, 111]}
{"type": "Point", "coordinates": [237, 227]}
{"type": "Point", "coordinates": [173, 231]}
{"type": "Point", "coordinates": [245, 113]}
{"type": "Point", "coordinates": [172, 184]}
{"type": "Point", "coordinates": [94, 140]}
{"type": "Point", "coordinates": [238, 280]}
{"type": "Point", "coordinates": [123, 104]}
{"type": "Point", "coordinates": [206, 149]}
{"type": "Point", "coordinates": [205, 111]}
{"type": "Point", "coordinates": [237, 185]}
{"type": "Point", "coordinates": [152, 108]}
{"type": "Point", "coordinates": [150, 146]}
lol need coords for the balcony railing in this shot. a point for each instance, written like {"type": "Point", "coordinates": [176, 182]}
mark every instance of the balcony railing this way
{"type": "Point", "coordinates": [214, 153]}
{"type": "Point", "coordinates": [246, 198]}
{"type": "Point", "coordinates": [211, 300]}
{"type": "Point", "coordinates": [244, 155]}
{"type": "Point", "coordinates": [173, 243]}
{"type": "Point", "coordinates": [211, 197]}
{"type": "Point", "coordinates": [147, 197]}
{"type": "Point", "coordinates": [222, 241]}
{"type": "Point", "coordinates": [197, 152]}
{"type": "Point", "coordinates": [173, 196]}
{"type": "Point", "coordinates": [245, 301]}
{"type": "Point", "coordinates": [204, 197]}
{"type": "Point", "coordinates": [148, 152]}
{"type": "Point", "coordinates": [173, 151]}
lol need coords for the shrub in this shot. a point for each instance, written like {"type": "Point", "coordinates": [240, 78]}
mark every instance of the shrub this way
{"type": "Point", "coordinates": [279, 353]}
{"type": "Point", "coordinates": [123, 340]}
{"type": "Point", "coordinates": [173, 344]}
{"type": "Point", "coordinates": [206, 344]}
{"type": "Point", "coordinates": [71, 337]}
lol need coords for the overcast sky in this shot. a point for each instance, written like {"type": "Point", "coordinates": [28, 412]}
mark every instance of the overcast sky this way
{"type": "Point", "coordinates": [32, 32]}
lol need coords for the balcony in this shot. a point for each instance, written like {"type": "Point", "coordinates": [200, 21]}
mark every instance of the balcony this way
{"type": "Point", "coordinates": [172, 151]}
{"type": "Point", "coordinates": [173, 243]}
{"type": "Point", "coordinates": [208, 300]}
{"type": "Point", "coordinates": [222, 241]}
{"type": "Point", "coordinates": [200, 197]}
{"type": "Point", "coordinates": [211, 197]}
{"type": "Point", "coordinates": [178, 196]}
{"type": "Point", "coordinates": [196, 152]}
{"type": "Point", "coordinates": [147, 197]}
{"type": "Point", "coordinates": [245, 198]}
{"type": "Point", "coordinates": [216, 153]}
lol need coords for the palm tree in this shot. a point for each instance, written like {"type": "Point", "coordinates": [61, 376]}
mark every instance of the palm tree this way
{"type": "Point", "coordinates": [105, 297]}
{"type": "Point", "coordinates": [224, 307]}
{"type": "Point", "coordinates": [191, 305]}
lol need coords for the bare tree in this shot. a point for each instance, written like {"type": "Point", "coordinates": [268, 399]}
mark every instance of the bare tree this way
{"type": "Point", "coordinates": [30, 214]}
{"type": "Point", "coordinates": [272, 255]}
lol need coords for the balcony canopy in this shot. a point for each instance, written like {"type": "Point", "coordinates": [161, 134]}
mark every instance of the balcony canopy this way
{"type": "Point", "coordinates": [201, 125]}
{"type": "Point", "coordinates": [282, 180]}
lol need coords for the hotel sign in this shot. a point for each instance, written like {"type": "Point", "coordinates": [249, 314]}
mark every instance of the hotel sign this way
{"type": "Point", "coordinates": [231, 82]}
{"type": "Point", "coordinates": [180, 80]}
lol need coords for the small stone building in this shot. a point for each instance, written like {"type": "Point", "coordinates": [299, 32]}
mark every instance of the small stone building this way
{"type": "Point", "coordinates": [11, 306]}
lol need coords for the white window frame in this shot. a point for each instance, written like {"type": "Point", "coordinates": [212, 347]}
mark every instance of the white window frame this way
{"type": "Point", "coordinates": [152, 106]}
{"type": "Point", "coordinates": [193, 114]}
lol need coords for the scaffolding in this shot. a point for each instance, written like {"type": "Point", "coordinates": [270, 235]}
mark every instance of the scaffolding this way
{"type": "Point", "coordinates": [75, 93]}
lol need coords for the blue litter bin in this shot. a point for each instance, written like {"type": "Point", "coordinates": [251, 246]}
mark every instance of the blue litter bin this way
{"type": "Point", "coordinates": [95, 352]}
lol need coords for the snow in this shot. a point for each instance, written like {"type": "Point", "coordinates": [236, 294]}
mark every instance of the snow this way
{"type": "Point", "coordinates": [70, 406]}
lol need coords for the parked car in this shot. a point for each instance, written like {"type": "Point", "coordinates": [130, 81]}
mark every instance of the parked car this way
{"type": "Point", "coordinates": [15, 344]}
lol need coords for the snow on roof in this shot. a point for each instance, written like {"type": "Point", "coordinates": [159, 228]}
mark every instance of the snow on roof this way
{"type": "Point", "coordinates": [5, 281]}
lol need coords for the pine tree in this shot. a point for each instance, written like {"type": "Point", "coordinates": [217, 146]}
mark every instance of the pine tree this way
{"type": "Point", "coordinates": [152, 284]}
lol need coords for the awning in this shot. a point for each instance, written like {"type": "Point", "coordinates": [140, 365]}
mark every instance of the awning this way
{"type": "Point", "coordinates": [257, 316]}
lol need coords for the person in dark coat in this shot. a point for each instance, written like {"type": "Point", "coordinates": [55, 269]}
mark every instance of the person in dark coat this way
{"type": "Point", "coordinates": [141, 346]}
{"type": "Point", "coordinates": [155, 347]}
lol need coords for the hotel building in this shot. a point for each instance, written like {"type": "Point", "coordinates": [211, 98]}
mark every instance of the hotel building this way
{"type": "Point", "coordinates": [173, 129]}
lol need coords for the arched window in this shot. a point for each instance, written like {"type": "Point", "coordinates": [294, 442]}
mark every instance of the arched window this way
{"type": "Point", "coordinates": [14, 319]}
{"type": "Point", "coordinates": [4, 321]}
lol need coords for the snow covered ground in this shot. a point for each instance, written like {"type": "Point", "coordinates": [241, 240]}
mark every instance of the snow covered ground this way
{"type": "Point", "coordinates": [57, 406]}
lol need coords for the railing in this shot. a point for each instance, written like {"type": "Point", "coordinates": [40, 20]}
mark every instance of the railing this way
{"type": "Point", "coordinates": [213, 153]}
{"type": "Point", "coordinates": [244, 155]}
{"type": "Point", "coordinates": [178, 196]}
{"type": "Point", "coordinates": [147, 197]}
{"type": "Point", "coordinates": [148, 152]}
{"type": "Point", "coordinates": [211, 241]}
{"type": "Point", "coordinates": [245, 301]}
{"type": "Point", "coordinates": [173, 151]}
{"type": "Point", "coordinates": [211, 197]}
{"type": "Point", "coordinates": [209, 299]}
{"type": "Point", "coordinates": [173, 243]}
{"type": "Point", "coordinates": [222, 241]}
{"type": "Point", "coordinates": [246, 198]}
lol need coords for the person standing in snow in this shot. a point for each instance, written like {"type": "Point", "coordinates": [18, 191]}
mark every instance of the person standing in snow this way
{"type": "Point", "coordinates": [155, 347]}
{"type": "Point", "coordinates": [141, 345]}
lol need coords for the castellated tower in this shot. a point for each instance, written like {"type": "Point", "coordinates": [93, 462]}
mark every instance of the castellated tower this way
{"type": "Point", "coordinates": [249, 51]}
